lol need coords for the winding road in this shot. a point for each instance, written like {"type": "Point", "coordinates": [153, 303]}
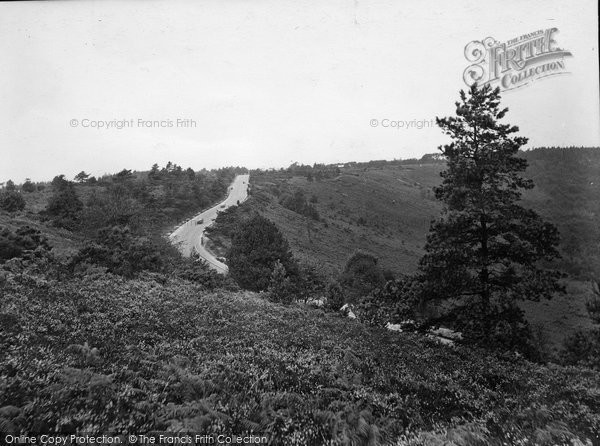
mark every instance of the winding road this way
{"type": "Point", "coordinates": [190, 235]}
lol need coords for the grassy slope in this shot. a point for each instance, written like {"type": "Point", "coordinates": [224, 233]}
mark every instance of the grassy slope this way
{"type": "Point", "coordinates": [172, 356]}
{"type": "Point", "coordinates": [397, 204]}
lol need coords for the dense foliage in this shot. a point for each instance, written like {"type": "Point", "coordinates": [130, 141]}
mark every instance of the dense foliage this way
{"type": "Point", "coordinates": [11, 201]}
{"type": "Point", "coordinates": [25, 242]}
{"type": "Point", "coordinates": [583, 346]}
{"type": "Point", "coordinates": [256, 247]}
{"type": "Point", "coordinates": [128, 337]}
{"type": "Point", "coordinates": [120, 252]}
{"type": "Point", "coordinates": [395, 302]}
{"type": "Point", "coordinates": [298, 203]}
{"type": "Point", "coordinates": [567, 188]}
{"type": "Point", "coordinates": [102, 353]}
{"type": "Point", "coordinates": [64, 206]}
{"type": "Point", "coordinates": [361, 275]}
{"type": "Point", "coordinates": [485, 249]}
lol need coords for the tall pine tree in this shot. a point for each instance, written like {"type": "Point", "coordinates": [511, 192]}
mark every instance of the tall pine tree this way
{"type": "Point", "coordinates": [484, 252]}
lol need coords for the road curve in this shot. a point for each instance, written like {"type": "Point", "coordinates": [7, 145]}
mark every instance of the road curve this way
{"type": "Point", "coordinates": [190, 235]}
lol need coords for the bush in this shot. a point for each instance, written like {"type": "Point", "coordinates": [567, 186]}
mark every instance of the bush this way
{"type": "Point", "coordinates": [502, 328]}
{"type": "Point", "coordinates": [11, 201]}
{"type": "Point", "coordinates": [28, 186]}
{"type": "Point", "coordinates": [335, 296]}
{"type": "Point", "coordinates": [280, 287]}
{"type": "Point", "coordinates": [309, 282]}
{"type": "Point", "coordinates": [298, 203]}
{"type": "Point", "coordinates": [582, 348]}
{"type": "Point", "coordinates": [256, 246]}
{"type": "Point", "coordinates": [25, 242]}
{"type": "Point", "coordinates": [361, 275]}
{"type": "Point", "coordinates": [121, 252]}
{"type": "Point", "coordinates": [395, 302]}
{"type": "Point", "coordinates": [64, 207]}
{"type": "Point", "coordinates": [196, 270]}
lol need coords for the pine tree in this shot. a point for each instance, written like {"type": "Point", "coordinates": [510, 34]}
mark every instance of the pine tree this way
{"type": "Point", "coordinates": [256, 247]}
{"type": "Point", "coordinates": [484, 252]}
{"type": "Point", "coordinates": [82, 177]}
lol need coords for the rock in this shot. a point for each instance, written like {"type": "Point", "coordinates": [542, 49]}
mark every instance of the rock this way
{"type": "Point", "coordinates": [440, 340]}
{"type": "Point", "coordinates": [446, 333]}
{"type": "Point", "coordinates": [394, 327]}
{"type": "Point", "coordinates": [347, 310]}
{"type": "Point", "coordinates": [318, 302]}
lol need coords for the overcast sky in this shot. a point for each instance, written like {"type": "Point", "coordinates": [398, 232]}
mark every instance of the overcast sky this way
{"type": "Point", "coordinates": [267, 82]}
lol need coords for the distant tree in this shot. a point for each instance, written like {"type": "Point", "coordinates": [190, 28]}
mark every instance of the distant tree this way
{"type": "Point", "coordinates": [11, 201]}
{"type": "Point", "coordinates": [59, 182]}
{"type": "Point", "coordinates": [154, 173]}
{"type": "Point", "coordinates": [484, 250]}
{"type": "Point", "coordinates": [191, 175]}
{"type": "Point", "coordinates": [123, 176]}
{"type": "Point", "coordinates": [361, 275]}
{"type": "Point", "coordinates": [256, 246]}
{"type": "Point", "coordinates": [82, 177]}
{"type": "Point", "coordinates": [64, 206]}
{"type": "Point", "coordinates": [298, 203]}
{"type": "Point", "coordinates": [28, 186]}
{"type": "Point", "coordinates": [10, 186]}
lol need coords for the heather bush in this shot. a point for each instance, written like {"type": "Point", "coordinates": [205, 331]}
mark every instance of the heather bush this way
{"type": "Point", "coordinates": [121, 252]}
{"type": "Point", "coordinates": [114, 355]}
{"type": "Point", "coordinates": [11, 201]}
{"type": "Point", "coordinates": [25, 242]}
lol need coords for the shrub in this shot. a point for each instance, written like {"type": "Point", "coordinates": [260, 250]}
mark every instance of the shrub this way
{"type": "Point", "coordinates": [28, 186]}
{"type": "Point", "coordinates": [25, 242]}
{"type": "Point", "coordinates": [121, 252]}
{"type": "Point", "coordinates": [11, 201]}
{"type": "Point", "coordinates": [298, 203]}
{"type": "Point", "coordinates": [361, 275]}
{"type": "Point", "coordinates": [256, 246]}
{"type": "Point", "coordinates": [396, 301]}
{"type": "Point", "coordinates": [582, 348]}
{"type": "Point", "coordinates": [280, 286]}
{"type": "Point", "coordinates": [335, 296]}
{"type": "Point", "coordinates": [196, 270]}
{"type": "Point", "coordinates": [64, 207]}
{"type": "Point", "coordinates": [501, 328]}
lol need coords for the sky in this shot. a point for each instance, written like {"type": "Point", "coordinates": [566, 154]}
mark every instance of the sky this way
{"type": "Point", "coordinates": [265, 83]}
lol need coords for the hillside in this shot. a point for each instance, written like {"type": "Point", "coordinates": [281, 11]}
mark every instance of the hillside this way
{"type": "Point", "coordinates": [112, 331]}
{"type": "Point", "coordinates": [99, 353]}
{"type": "Point", "coordinates": [385, 208]}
